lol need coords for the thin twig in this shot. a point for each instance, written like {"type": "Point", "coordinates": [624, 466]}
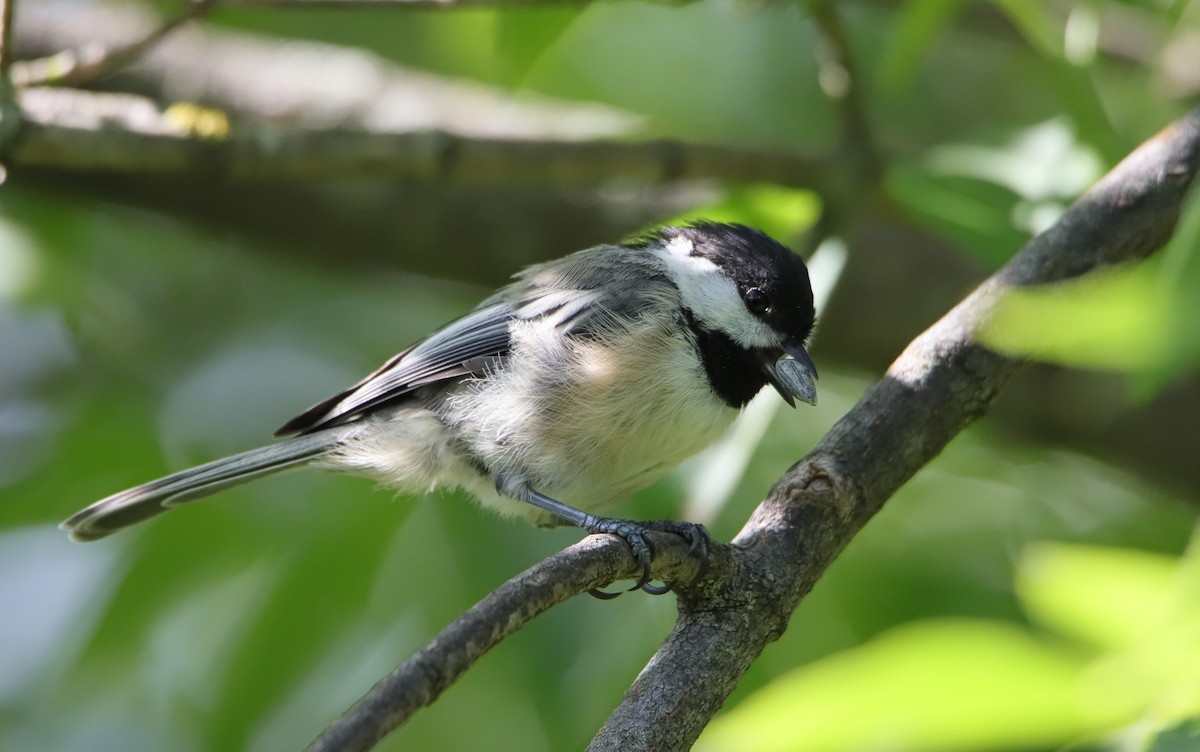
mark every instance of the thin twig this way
{"type": "Point", "coordinates": [6, 36]}
{"type": "Point", "coordinates": [839, 77]}
{"type": "Point", "coordinates": [593, 562]}
{"type": "Point", "coordinates": [10, 114]}
{"type": "Point", "coordinates": [86, 64]}
{"type": "Point", "coordinates": [839, 74]}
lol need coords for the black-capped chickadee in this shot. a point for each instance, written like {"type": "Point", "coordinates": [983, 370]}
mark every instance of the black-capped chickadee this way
{"type": "Point", "coordinates": [577, 384]}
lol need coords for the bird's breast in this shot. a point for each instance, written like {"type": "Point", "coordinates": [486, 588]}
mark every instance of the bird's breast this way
{"type": "Point", "coordinates": [590, 421]}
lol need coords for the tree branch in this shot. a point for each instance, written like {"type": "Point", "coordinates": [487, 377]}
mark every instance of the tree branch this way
{"type": "Point", "coordinates": [940, 384]}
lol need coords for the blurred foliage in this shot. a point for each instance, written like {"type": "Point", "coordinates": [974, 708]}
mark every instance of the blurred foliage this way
{"type": "Point", "coordinates": [1142, 320]}
{"type": "Point", "coordinates": [134, 343]}
{"type": "Point", "coordinates": [1131, 664]}
{"type": "Point", "coordinates": [779, 212]}
{"type": "Point", "coordinates": [990, 198]}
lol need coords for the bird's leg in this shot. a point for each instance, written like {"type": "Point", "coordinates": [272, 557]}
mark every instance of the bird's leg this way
{"type": "Point", "coordinates": [630, 531]}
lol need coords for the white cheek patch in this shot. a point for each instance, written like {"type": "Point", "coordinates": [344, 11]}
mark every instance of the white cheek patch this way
{"type": "Point", "coordinates": [712, 297]}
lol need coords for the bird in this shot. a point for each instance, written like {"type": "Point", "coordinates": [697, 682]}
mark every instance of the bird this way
{"type": "Point", "coordinates": [583, 380]}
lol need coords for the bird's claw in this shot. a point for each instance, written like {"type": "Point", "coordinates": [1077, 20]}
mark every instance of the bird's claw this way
{"type": "Point", "coordinates": [694, 532]}
{"type": "Point", "coordinates": [634, 533]}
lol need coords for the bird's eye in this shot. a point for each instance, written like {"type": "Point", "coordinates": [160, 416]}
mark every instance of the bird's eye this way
{"type": "Point", "coordinates": [757, 301]}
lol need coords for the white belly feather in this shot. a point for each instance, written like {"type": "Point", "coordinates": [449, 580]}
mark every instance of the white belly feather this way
{"type": "Point", "coordinates": [603, 424]}
{"type": "Point", "coordinates": [586, 435]}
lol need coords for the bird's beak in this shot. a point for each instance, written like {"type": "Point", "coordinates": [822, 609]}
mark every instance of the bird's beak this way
{"type": "Point", "coordinates": [793, 375]}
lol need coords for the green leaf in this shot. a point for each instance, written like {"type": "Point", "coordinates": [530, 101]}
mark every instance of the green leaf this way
{"type": "Point", "coordinates": [1142, 607]}
{"type": "Point", "coordinates": [991, 197]}
{"type": "Point", "coordinates": [1042, 161]}
{"type": "Point", "coordinates": [1182, 738]}
{"type": "Point", "coordinates": [1157, 675]}
{"type": "Point", "coordinates": [1032, 19]}
{"type": "Point", "coordinates": [782, 213]}
{"type": "Point", "coordinates": [1114, 320]}
{"type": "Point", "coordinates": [974, 213]}
{"type": "Point", "coordinates": [1066, 71]}
{"type": "Point", "coordinates": [920, 25]}
{"type": "Point", "coordinates": [524, 34]}
{"type": "Point", "coordinates": [1139, 320]}
{"type": "Point", "coordinates": [1104, 596]}
{"type": "Point", "coordinates": [953, 684]}
{"type": "Point", "coordinates": [1179, 277]}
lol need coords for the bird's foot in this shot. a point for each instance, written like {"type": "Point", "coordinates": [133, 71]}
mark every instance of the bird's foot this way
{"type": "Point", "coordinates": [634, 533]}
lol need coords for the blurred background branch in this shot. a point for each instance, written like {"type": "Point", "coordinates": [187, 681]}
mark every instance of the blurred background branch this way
{"type": "Point", "coordinates": [6, 34]}
{"type": "Point", "coordinates": [437, 4]}
{"type": "Point", "coordinates": [842, 83]}
{"type": "Point", "coordinates": [121, 133]}
{"type": "Point", "coordinates": [77, 67]}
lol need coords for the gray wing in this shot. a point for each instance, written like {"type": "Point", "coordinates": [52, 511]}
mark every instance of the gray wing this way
{"type": "Point", "coordinates": [462, 348]}
{"type": "Point", "coordinates": [584, 291]}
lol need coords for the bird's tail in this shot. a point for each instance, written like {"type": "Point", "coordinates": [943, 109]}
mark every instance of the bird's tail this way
{"type": "Point", "coordinates": [133, 505]}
